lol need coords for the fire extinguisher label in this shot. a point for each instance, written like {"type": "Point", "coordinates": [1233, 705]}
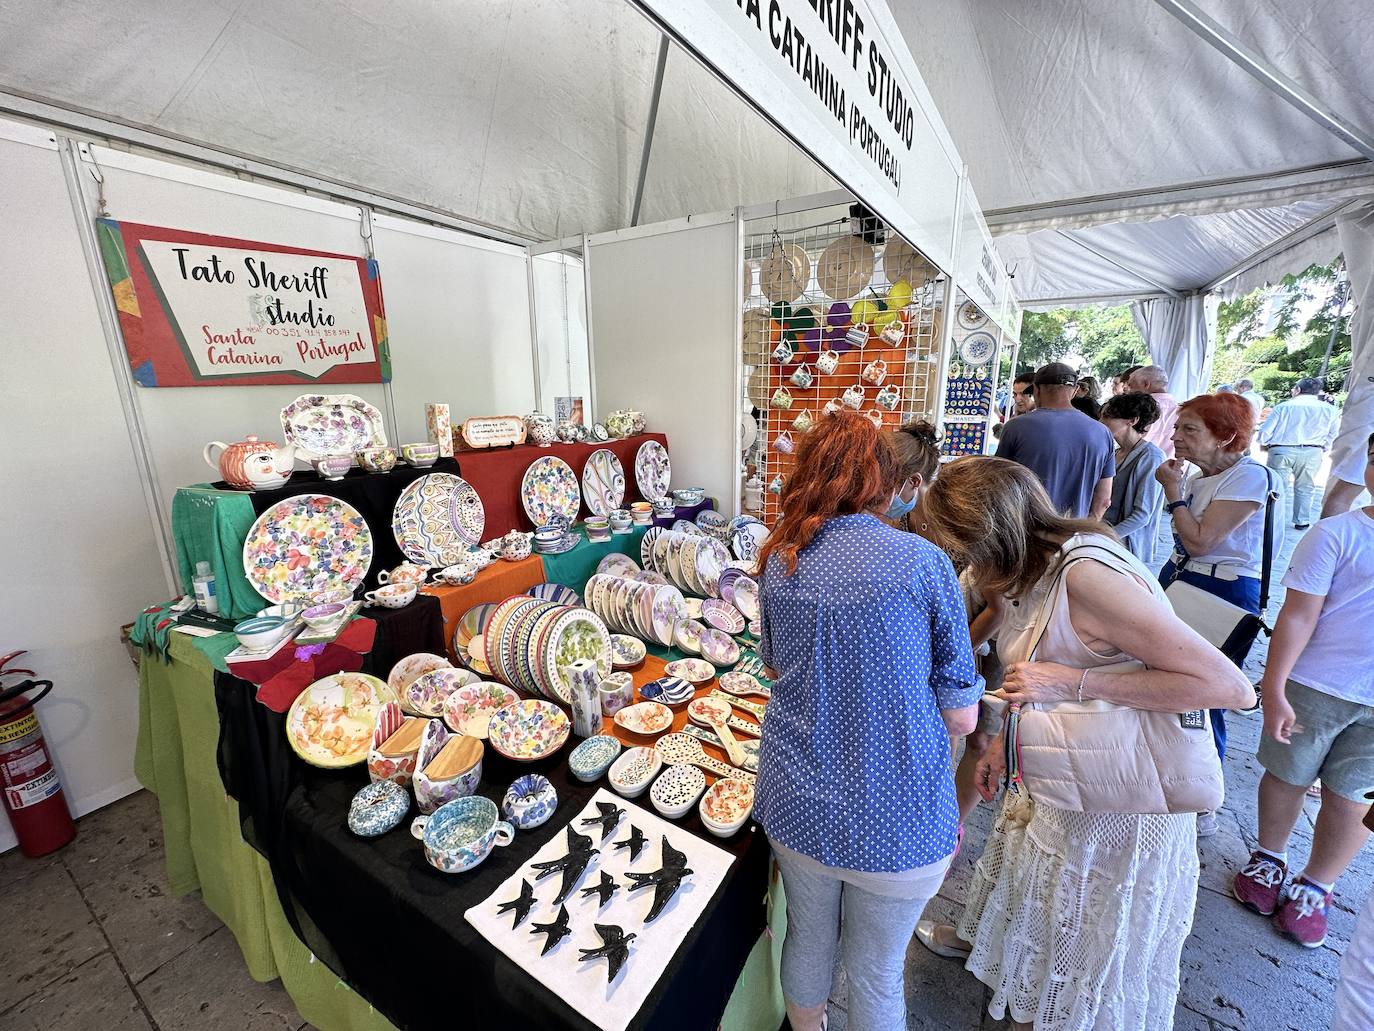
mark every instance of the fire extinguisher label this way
{"type": "Point", "coordinates": [27, 777]}
{"type": "Point", "coordinates": [31, 793]}
{"type": "Point", "coordinates": [26, 724]}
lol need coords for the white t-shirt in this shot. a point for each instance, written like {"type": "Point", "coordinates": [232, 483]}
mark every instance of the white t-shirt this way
{"type": "Point", "coordinates": [1247, 480]}
{"type": "Point", "coordinates": [1335, 559]}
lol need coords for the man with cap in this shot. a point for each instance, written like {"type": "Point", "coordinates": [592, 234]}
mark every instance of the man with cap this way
{"type": "Point", "coordinates": [1073, 455]}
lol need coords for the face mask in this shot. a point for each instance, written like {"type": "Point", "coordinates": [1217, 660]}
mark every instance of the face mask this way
{"type": "Point", "coordinates": [899, 508]}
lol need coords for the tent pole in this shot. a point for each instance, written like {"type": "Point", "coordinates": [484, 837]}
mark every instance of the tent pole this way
{"type": "Point", "coordinates": [1251, 61]}
{"type": "Point", "coordinates": [650, 124]}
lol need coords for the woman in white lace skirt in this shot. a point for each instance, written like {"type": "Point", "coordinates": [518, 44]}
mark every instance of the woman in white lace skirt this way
{"type": "Point", "coordinates": [1075, 920]}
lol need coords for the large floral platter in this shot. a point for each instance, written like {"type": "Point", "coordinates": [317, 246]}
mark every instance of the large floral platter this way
{"type": "Point", "coordinates": [603, 482]}
{"type": "Point", "coordinates": [437, 518]}
{"type": "Point", "coordinates": [330, 723]}
{"type": "Point", "coordinates": [529, 729]}
{"type": "Point", "coordinates": [305, 544]}
{"type": "Point", "coordinates": [549, 492]}
{"type": "Point", "coordinates": [331, 424]}
{"type": "Point", "coordinates": [653, 471]}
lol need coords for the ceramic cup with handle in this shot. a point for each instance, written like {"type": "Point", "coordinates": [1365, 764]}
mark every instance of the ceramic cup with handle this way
{"type": "Point", "coordinates": [392, 596]}
{"type": "Point", "coordinates": [876, 371]}
{"type": "Point", "coordinates": [831, 407]}
{"type": "Point", "coordinates": [461, 834]}
{"type": "Point", "coordinates": [889, 397]}
{"type": "Point", "coordinates": [802, 376]}
{"type": "Point", "coordinates": [784, 352]}
{"type": "Point", "coordinates": [804, 421]}
{"type": "Point", "coordinates": [827, 362]}
{"type": "Point", "coordinates": [783, 442]}
{"type": "Point", "coordinates": [405, 573]}
{"type": "Point", "coordinates": [894, 333]}
{"type": "Point", "coordinates": [853, 397]}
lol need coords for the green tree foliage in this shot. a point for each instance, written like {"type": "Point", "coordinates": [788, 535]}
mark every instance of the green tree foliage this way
{"type": "Point", "coordinates": [1106, 337]}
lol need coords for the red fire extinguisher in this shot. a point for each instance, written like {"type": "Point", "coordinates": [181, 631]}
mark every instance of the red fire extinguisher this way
{"type": "Point", "coordinates": [28, 781]}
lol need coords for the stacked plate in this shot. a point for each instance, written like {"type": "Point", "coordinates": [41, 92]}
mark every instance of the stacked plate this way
{"type": "Point", "coordinates": [746, 534]}
{"type": "Point", "coordinates": [693, 562]}
{"type": "Point", "coordinates": [645, 610]}
{"type": "Point", "coordinates": [741, 591]}
{"type": "Point", "coordinates": [528, 642]}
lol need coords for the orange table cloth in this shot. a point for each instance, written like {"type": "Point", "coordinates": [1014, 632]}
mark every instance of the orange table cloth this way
{"type": "Point", "coordinates": [497, 582]}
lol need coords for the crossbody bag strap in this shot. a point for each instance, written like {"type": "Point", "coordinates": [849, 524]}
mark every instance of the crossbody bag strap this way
{"type": "Point", "coordinates": [1267, 557]}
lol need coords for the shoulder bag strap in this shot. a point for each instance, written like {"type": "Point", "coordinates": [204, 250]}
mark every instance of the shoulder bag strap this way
{"type": "Point", "coordinates": [1267, 556]}
{"type": "Point", "coordinates": [1079, 552]}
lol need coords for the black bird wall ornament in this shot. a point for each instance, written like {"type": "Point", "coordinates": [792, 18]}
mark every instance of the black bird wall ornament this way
{"type": "Point", "coordinates": [665, 880]}
{"type": "Point", "coordinates": [615, 946]}
{"type": "Point", "coordinates": [556, 931]}
{"type": "Point", "coordinates": [521, 906]}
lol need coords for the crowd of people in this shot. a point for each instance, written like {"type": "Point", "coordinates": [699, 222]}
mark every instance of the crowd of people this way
{"type": "Point", "coordinates": [1008, 630]}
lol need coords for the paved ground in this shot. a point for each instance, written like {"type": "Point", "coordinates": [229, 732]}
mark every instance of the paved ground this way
{"type": "Point", "coordinates": [95, 943]}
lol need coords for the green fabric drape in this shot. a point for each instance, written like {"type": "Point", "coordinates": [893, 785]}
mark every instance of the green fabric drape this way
{"type": "Point", "coordinates": [210, 526]}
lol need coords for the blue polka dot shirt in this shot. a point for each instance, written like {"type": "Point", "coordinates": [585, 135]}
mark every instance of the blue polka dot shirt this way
{"type": "Point", "coordinates": [869, 637]}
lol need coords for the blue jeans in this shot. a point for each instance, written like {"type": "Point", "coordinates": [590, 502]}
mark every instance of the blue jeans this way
{"type": "Point", "coordinates": [1297, 468]}
{"type": "Point", "coordinates": [1244, 591]}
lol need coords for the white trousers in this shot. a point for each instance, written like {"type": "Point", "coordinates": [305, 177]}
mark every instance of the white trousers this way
{"type": "Point", "coordinates": [1355, 993]}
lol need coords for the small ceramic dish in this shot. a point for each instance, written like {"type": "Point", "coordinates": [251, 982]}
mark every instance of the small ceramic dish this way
{"type": "Point", "coordinates": [592, 758]}
{"type": "Point", "coordinates": [260, 633]}
{"type": "Point", "coordinates": [693, 608]}
{"type": "Point", "coordinates": [392, 596]}
{"type": "Point", "coordinates": [722, 615]}
{"type": "Point", "coordinates": [626, 652]}
{"type": "Point", "coordinates": [633, 771]}
{"type": "Point", "coordinates": [378, 808]}
{"type": "Point", "coordinates": [718, 648]}
{"type": "Point", "coordinates": [529, 802]}
{"type": "Point", "coordinates": [676, 790]}
{"type": "Point", "coordinates": [646, 718]}
{"type": "Point", "coordinates": [469, 709]}
{"type": "Point", "coordinates": [746, 597]}
{"type": "Point", "coordinates": [687, 635]}
{"type": "Point", "coordinates": [742, 684]}
{"type": "Point", "coordinates": [726, 806]}
{"type": "Point", "coordinates": [412, 666]}
{"type": "Point", "coordinates": [426, 694]}
{"type": "Point", "coordinates": [669, 691]}
{"type": "Point", "coordinates": [756, 627]}
{"type": "Point", "coordinates": [318, 616]}
{"type": "Point", "coordinates": [695, 671]}
{"type": "Point", "coordinates": [688, 527]}
{"type": "Point", "coordinates": [689, 495]}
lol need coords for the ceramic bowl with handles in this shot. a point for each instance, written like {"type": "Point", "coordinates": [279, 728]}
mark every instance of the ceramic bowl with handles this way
{"type": "Point", "coordinates": [460, 834]}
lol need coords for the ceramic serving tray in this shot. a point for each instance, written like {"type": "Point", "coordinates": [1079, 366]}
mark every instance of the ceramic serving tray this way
{"type": "Point", "coordinates": [331, 424]}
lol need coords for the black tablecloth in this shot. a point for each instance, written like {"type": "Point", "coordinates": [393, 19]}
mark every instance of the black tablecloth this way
{"type": "Point", "coordinates": [392, 926]}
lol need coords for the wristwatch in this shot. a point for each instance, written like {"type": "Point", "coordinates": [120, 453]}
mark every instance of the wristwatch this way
{"type": "Point", "coordinates": [1180, 503]}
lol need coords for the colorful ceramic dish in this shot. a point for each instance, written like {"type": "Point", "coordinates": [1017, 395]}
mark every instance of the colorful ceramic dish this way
{"type": "Point", "coordinates": [378, 808]}
{"type": "Point", "coordinates": [529, 730]}
{"type": "Point", "coordinates": [722, 615]}
{"type": "Point", "coordinates": [413, 666]}
{"type": "Point", "coordinates": [626, 652]}
{"type": "Point", "coordinates": [306, 544]}
{"type": "Point", "coordinates": [633, 771]}
{"type": "Point", "coordinates": [469, 709]}
{"type": "Point", "coordinates": [726, 806]}
{"type": "Point", "coordinates": [746, 597]}
{"type": "Point", "coordinates": [437, 518]}
{"type": "Point", "coordinates": [593, 757]}
{"type": "Point", "coordinates": [330, 722]}
{"type": "Point", "coordinates": [718, 648]}
{"type": "Point", "coordinates": [696, 671]}
{"type": "Point", "coordinates": [744, 685]}
{"type": "Point", "coordinates": [653, 471]}
{"type": "Point", "coordinates": [555, 593]}
{"type": "Point", "coordinates": [676, 790]}
{"type": "Point", "coordinates": [687, 636]}
{"type": "Point", "coordinates": [668, 690]}
{"type": "Point", "coordinates": [647, 718]}
{"type": "Point", "coordinates": [646, 548]}
{"type": "Point", "coordinates": [529, 802]}
{"type": "Point", "coordinates": [426, 694]}
{"type": "Point", "coordinates": [462, 833]}
{"type": "Point", "coordinates": [603, 482]}
{"type": "Point", "coordinates": [331, 424]}
{"type": "Point", "coordinates": [549, 492]}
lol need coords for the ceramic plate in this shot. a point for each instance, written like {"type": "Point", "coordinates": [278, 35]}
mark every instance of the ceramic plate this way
{"type": "Point", "coordinates": [978, 348]}
{"type": "Point", "coordinates": [648, 576]}
{"type": "Point", "coordinates": [718, 648]}
{"type": "Point", "coordinates": [687, 527]}
{"type": "Point", "coordinates": [529, 730]}
{"type": "Point", "coordinates": [469, 709]}
{"type": "Point", "coordinates": [668, 608]}
{"type": "Point", "coordinates": [712, 522]}
{"type": "Point", "coordinates": [710, 559]}
{"type": "Point", "coordinates": [549, 492]}
{"type": "Point", "coordinates": [722, 615]}
{"type": "Point", "coordinates": [653, 471]}
{"type": "Point", "coordinates": [646, 548]}
{"type": "Point", "coordinates": [306, 544]}
{"type": "Point", "coordinates": [577, 634]}
{"type": "Point", "coordinates": [747, 539]}
{"type": "Point", "coordinates": [626, 652]}
{"type": "Point", "coordinates": [603, 482]}
{"type": "Point", "coordinates": [413, 666]}
{"type": "Point", "coordinates": [696, 671]}
{"type": "Point", "coordinates": [616, 564]}
{"type": "Point", "coordinates": [555, 592]}
{"type": "Point", "coordinates": [746, 598]}
{"type": "Point", "coordinates": [645, 718]}
{"type": "Point", "coordinates": [330, 723]}
{"type": "Point", "coordinates": [970, 317]}
{"type": "Point", "coordinates": [593, 757]}
{"type": "Point", "coordinates": [687, 636]}
{"type": "Point", "coordinates": [437, 518]}
{"type": "Point", "coordinates": [425, 695]}
{"type": "Point", "coordinates": [470, 625]}
{"type": "Point", "coordinates": [331, 424]}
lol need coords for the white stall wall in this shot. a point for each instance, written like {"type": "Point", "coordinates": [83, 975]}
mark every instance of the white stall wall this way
{"type": "Point", "coordinates": [665, 340]}
{"type": "Point", "coordinates": [560, 305]}
{"type": "Point", "coordinates": [77, 543]}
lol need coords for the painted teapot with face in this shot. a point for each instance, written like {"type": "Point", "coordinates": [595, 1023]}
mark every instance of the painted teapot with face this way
{"type": "Point", "coordinates": [252, 464]}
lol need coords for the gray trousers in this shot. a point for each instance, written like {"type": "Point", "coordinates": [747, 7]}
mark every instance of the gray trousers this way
{"type": "Point", "coordinates": [1297, 468]}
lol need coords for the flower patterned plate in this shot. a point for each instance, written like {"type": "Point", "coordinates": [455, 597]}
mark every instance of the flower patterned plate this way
{"type": "Point", "coordinates": [726, 806]}
{"type": "Point", "coordinates": [667, 607]}
{"type": "Point", "coordinates": [646, 718]}
{"type": "Point", "coordinates": [331, 424]}
{"type": "Point", "coordinates": [711, 558]}
{"type": "Point", "coordinates": [646, 548]}
{"type": "Point", "coordinates": [549, 492]}
{"type": "Point", "coordinates": [306, 544]}
{"type": "Point", "coordinates": [687, 636]}
{"type": "Point", "coordinates": [437, 518]}
{"type": "Point", "coordinates": [649, 576]}
{"type": "Point", "coordinates": [413, 666]}
{"type": "Point", "coordinates": [718, 648]}
{"type": "Point", "coordinates": [330, 722]}
{"type": "Point", "coordinates": [575, 634]}
{"type": "Point", "coordinates": [603, 482]}
{"type": "Point", "coordinates": [426, 694]}
{"type": "Point", "coordinates": [747, 598]}
{"type": "Point", "coordinates": [695, 671]}
{"type": "Point", "coordinates": [529, 730]}
{"type": "Point", "coordinates": [688, 527]}
{"type": "Point", "coordinates": [653, 471]}
{"type": "Point", "coordinates": [469, 709]}
{"type": "Point", "coordinates": [626, 652]}
{"type": "Point", "coordinates": [722, 615]}
{"type": "Point", "coordinates": [616, 564]}
{"type": "Point", "coordinates": [592, 758]}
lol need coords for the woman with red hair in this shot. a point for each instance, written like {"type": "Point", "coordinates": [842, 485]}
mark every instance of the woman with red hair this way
{"type": "Point", "coordinates": [1217, 513]}
{"type": "Point", "coordinates": [865, 631]}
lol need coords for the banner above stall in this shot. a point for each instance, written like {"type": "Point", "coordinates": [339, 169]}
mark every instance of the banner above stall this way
{"type": "Point", "coordinates": [836, 77]}
{"type": "Point", "coordinates": [200, 311]}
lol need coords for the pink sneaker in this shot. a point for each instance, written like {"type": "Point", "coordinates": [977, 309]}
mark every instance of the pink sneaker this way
{"type": "Point", "coordinates": [1303, 914]}
{"type": "Point", "coordinates": [1259, 883]}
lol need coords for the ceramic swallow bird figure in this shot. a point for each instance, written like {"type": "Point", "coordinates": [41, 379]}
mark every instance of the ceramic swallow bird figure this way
{"type": "Point", "coordinates": [665, 880]}
{"type": "Point", "coordinates": [615, 946]}
{"type": "Point", "coordinates": [572, 865]}
{"type": "Point", "coordinates": [556, 931]}
{"type": "Point", "coordinates": [521, 906]}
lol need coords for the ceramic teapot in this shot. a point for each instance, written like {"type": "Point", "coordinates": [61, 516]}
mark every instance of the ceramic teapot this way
{"type": "Point", "coordinates": [540, 429]}
{"type": "Point", "coordinates": [252, 464]}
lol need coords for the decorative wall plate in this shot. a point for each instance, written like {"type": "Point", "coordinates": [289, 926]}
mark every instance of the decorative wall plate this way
{"type": "Point", "coordinates": [603, 482]}
{"type": "Point", "coordinates": [970, 316]}
{"type": "Point", "coordinates": [331, 424]}
{"type": "Point", "coordinates": [653, 471]}
{"type": "Point", "coordinates": [529, 729]}
{"type": "Point", "coordinates": [306, 544]}
{"type": "Point", "coordinates": [577, 634]}
{"type": "Point", "coordinates": [437, 518]}
{"type": "Point", "coordinates": [549, 492]}
{"type": "Point", "coordinates": [646, 548]}
{"type": "Point", "coordinates": [978, 348]}
{"type": "Point", "coordinates": [330, 722]}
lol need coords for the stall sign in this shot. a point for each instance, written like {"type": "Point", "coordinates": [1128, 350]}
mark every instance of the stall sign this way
{"type": "Point", "coordinates": [200, 311]}
{"type": "Point", "coordinates": [836, 76]}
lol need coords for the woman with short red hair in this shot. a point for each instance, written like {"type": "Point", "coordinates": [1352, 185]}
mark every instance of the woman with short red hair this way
{"type": "Point", "coordinates": [1217, 513]}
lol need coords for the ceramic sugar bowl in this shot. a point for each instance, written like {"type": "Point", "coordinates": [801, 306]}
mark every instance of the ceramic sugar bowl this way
{"type": "Point", "coordinates": [529, 802]}
{"type": "Point", "coordinates": [462, 833]}
{"type": "Point", "coordinates": [252, 464]}
{"type": "Point", "coordinates": [515, 546]}
{"type": "Point", "coordinates": [541, 429]}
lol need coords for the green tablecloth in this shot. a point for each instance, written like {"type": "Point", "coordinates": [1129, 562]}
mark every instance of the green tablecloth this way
{"type": "Point", "coordinates": [210, 525]}
{"type": "Point", "coordinates": [178, 735]}
{"type": "Point", "coordinates": [574, 568]}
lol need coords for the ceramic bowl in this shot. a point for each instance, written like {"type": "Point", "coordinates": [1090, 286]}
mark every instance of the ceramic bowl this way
{"type": "Point", "coordinates": [422, 456]}
{"type": "Point", "coordinates": [426, 694]}
{"type": "Point", "coordinates": [469, 709]}
{"type": "Point", "coordinates": [676, 790]}
{"type": "Point", "coordinates": [632, 773]}
{"type": "Point", "coordinates": [647, 718]}
{"type": "Point", "coordinates": [378, 808]}
{"type": "Point", "coordinates": [460, 834]}
{"type": "Point", "coordinates": [718, 648]}
{"type": "Point", "coordinates": [333, 467]}
{"type": "Point", "coordinates": [529, 802]}
{"type": "Point", "coordinates": [392, 596]}
{"type": "Point", "coordinates": [405, 573]}
{"type": "Point", "coordinates": [289, 609]}
{"type": "Point", "coordinates": [593, 757]}
{"type": "Point", "coordinates": [668, 691]}
{"type": "Point", "coordinates": [377, 459]}
{"type": "Point", "coordinates": [687, 636]}
{"type": "Point", "coordinates": [260, 633]}
{"type": "Point", "coordinates": [412, 666]}
{"type": "Point", "coordinates": [626, 652]}
{"type": "Point", "coordinates": [339, 594]}
{"type": "Point", "coordinates": [318, 616]}
{"type": "Point", "coordinates": [722, 615]}
{"type": "Point", "coordinates": [696, 671]}
{"type": "Point", "coordinates": [726, 806]}
{"type": "Point", "coordinates": [598, 529]}
{"type": "Point", "coordinates": [689, 495]}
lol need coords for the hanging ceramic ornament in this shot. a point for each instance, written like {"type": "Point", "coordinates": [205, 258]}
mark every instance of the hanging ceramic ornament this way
{"type": "Point", "coordinates": [845, 267]}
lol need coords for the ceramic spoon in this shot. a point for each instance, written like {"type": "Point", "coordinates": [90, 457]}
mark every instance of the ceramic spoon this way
{"type": "Point", "coordinates": [714, 713]}
{"type": "Point", "coordinates": [751, 748]}
{"type": "Point", "coordinates": [677, 749]}
{"type": "Point", "coordinates": [744, 685]}
{"type": "Point", "coordinates": [739, 703]}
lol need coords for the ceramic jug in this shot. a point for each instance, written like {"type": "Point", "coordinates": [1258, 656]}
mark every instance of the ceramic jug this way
{"type": "Point", "coordinates": [252, 464]}
{"type": "Point", "coordinates": [584, 683]}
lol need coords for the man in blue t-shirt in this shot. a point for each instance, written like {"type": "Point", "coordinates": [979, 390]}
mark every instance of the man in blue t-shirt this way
{"type": "Point", "coordinates": [1074, 456]}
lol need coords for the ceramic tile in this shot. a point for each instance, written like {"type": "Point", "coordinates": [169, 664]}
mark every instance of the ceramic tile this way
{"type": "Point", "coordinates": [93, 997]}
{"type": "Point", "coordinates": [112, 838]}
{"type": "Point", "coordinates": [46, 916]}
{"type": "Point", "coordinates": [206, 988]}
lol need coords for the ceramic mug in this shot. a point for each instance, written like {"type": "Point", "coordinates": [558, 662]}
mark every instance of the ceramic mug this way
{"type": "Point", "coordinates": [857, 337]}
{"type": "Point", "coordinates": [853, 397]}
{"type": "Point", "coordinates": [828, 362]}
{"type": "Point", "coordinates": [392, 596]}
{"type": "Point", "coordinates": [875, 417]}
{"type": "Point", "coordinates": [831, 407]}
{"type": "Point", "coordinates": [783, 442]}
{"type": "Point", "coordinates": [803, 422]}
{"type": "Point", "coordinates": [333, 467]}
{"type": "Point", "coordinates": [784, 352]}
{"type": "Point", "coordinates": [875, 372]}
{"type": "Point", "coordinates": [775, 485]}
{"type": "Point", "coordinates": [377, 459]}
{"type": "Point", "coordinates": [422, 456]}
{"type": "Point", "coordinates": [894, 333]}
{"type": "Point", "coordinates": [782, 398]}
{"type": "Point", "coordinates": [615, 694]}
{"type": "Point", "coordinates": [460, 834]}
{"type": "Point", "coordinates": [889, 397]}
{"type": "Point", "coordinates": [802, 377]}
{"type": "Point", "coordinates": [405, 573]}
